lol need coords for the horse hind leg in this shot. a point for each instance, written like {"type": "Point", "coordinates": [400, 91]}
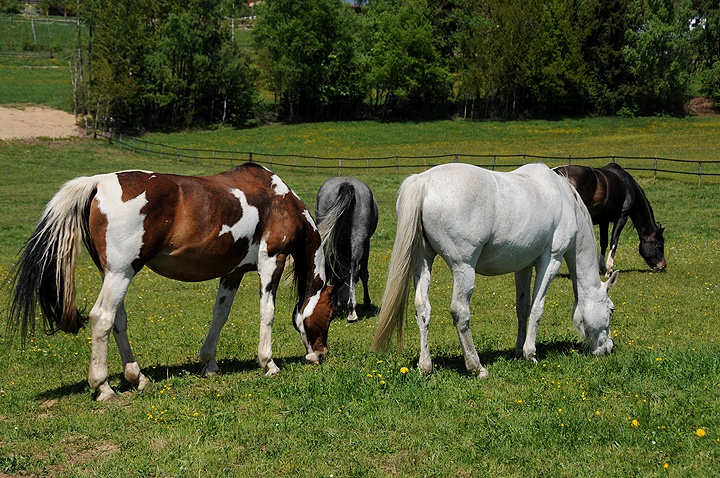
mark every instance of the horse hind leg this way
{"type": "Point", "coordinates": [130, 366]}
{"type": "Point", "coordinates": [223, 302]}
{"type": "Point", "coordinates": [102, 320]}
{"type": "Point", "coordinates": [423, 308]}
{"type": "Point", "coordinates": [463, 287]}
{"type": "Point", "coordinates": [352, 285]}
{"type": "Point", "coordinates": [364, 277]}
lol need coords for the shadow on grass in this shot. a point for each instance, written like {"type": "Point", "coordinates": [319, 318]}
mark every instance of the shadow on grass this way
{"type": "Point", "coordinates": [622, 271]}
{"type": "Point", "coordinates": [159, 373]}
{"type": "Point", "coordinates": [544, 349]}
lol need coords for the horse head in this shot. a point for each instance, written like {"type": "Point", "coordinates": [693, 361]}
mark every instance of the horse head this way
{"type": "Point", "coordinates": [592, 319]}
{"type": "Point", "coordinates": [317, 324]}
{"type": "Point", "coordinates": [652, 249]}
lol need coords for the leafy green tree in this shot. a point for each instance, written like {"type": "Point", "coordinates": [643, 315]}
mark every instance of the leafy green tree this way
{"type": "Point", "coordinates": [169, 63]}
{"type": "Point", "coordinates": [308, 59]}
{"type": "Point", "coordinates": [658, 56]}
{"type": "Point", "coordinates": [706, 28]}
{"type": "Point", "coordinates": [407, 74]}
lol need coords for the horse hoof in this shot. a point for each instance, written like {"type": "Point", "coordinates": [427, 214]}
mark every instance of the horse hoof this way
{"type": "Point", "coordinates": [210, 370]}
{"type": "Point", "coordinates": [144, 384]}
{"type": "Point", "coordinates": [107, 397]}
{"type": "Point", "coordinates": [271, 369]}
{"type": "Point", "coordinates": [482, 373]}
{"type": "Point", "coordinates": [312, 359]}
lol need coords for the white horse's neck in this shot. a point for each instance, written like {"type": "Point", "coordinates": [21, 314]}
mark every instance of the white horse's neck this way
{"type": "Point", "coordinates": [586, 278]}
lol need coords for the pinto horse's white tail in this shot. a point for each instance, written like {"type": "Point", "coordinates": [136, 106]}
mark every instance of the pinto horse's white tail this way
{"type": "Point", "coordinates": [402, 263]}
{"type": "Point", "coordinates": [45, 271]}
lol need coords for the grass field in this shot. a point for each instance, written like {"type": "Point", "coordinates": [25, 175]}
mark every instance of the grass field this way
{"type": "Point", "coordinates": [652, 408]}
{"type": "Point", "coordinates": [36, 68]}
{"type": "Point", "coordinates": [639, 412]}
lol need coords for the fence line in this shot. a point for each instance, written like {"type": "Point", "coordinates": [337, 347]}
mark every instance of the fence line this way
{"type": "Point", "coordinates": [683, 167]}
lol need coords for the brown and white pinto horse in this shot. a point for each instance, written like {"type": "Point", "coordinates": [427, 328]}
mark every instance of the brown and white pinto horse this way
{"type": "Point", "coordinates": [184, 228]}
{"type": "Point", "coordinates": [612, 195]}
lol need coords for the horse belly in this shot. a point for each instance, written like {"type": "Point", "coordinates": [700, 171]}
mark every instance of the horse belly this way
{"type": "Point", "coordinates": [505, 259]}
{"type": "Point", "coordinates": [196, 264]}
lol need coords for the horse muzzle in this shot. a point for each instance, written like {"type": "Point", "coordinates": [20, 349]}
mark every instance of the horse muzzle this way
{"type": "Point", "coordinates": [660, 267]}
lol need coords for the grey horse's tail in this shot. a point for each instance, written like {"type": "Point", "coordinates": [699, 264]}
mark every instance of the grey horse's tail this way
{"type": "Point", "coordinates": [403, 259]}
{"type": "Point", "coordinates": [330, 225]}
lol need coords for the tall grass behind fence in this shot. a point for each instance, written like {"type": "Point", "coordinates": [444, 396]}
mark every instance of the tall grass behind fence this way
{"type": "Point", "coordinates": [37, 36]}
{"type": "Point", "coordinates": [699, 170]}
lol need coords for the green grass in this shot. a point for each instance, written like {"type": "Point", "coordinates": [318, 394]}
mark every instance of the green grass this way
{"type": "Point", "coordinates": [634, 413]}
{"type": "Point", "coordinates": [36, 69]}
{"type": "Point", "coordinates": [629, 414]}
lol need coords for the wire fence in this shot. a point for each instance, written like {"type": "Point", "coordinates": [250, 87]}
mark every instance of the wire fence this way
{"type": "Point", "coordinates": [668, 167]}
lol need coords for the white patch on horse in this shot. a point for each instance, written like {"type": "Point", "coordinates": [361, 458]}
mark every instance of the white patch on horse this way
{"type": "Point", "coordinates": [309, 218]}
{"type": "Point", "coordinates": [246, 225]}
{"type": "Point", "coordinates": [320, 263]}
{"type": "Point", "coordinates": [310, 307]}
{"type": "Point", "coordinates": [280, 187]}
{"type": "Point", "coordinates": [124, 236]}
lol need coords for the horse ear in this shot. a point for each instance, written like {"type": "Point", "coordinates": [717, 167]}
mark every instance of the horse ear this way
{"type": "Point", "coordinates": [610, 283]}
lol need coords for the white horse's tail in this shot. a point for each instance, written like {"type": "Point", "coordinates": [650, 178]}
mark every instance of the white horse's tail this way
{"type": "Point", "coordinates": [402, 263]}
{"type": "Point", "coordinates": [45, 271]}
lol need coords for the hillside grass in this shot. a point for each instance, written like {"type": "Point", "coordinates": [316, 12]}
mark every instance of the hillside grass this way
{"type": "Point", "coordinates": [638, 412]}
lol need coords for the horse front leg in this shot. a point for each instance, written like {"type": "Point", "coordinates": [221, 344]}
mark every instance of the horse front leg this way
{"type": "Point", "coordinates": [603, 246]}
{"type": "Point", "coordinates": [223, 303]}
{"type": "Point", "coordinates": [270, 271]}
{"type": "Point", "coordinates": [130, 366]}
{"type": "Point", "coordinates": [523, 281]}
{"type": "Point", "coordinates": [463, 287]}
{"type": "Point", "coordinates": [545, 273]}
{"type": "Point", "coordinates": [614, 239]}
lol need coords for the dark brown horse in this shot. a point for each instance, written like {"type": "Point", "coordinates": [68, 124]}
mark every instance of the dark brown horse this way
{"type": "Point", "coordinates": [184, 228]}
{"type": "Point", "coordinates": [612, 195]}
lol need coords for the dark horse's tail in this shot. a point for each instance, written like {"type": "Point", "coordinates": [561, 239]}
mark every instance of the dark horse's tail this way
{"type": "Point", "coordinates": [333, 218]}
{"type": "Point", "coordinates": [45, 271]}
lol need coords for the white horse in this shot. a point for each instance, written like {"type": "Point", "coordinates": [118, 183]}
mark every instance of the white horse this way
{"type": "Point", "coordinates": [493, 223]}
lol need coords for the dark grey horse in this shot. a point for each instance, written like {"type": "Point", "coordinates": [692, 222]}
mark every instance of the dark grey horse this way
{"type": "Point", "coordinates": [347, 215]}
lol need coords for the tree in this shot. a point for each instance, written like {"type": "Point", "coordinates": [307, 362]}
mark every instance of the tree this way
{"type": "Point", "coordinates": [658, 56]}
{"type": "Point", "coordinates": [308, 59]}
{"type": "Point", "coordinates": [407, 75]}
{"type": "Point", "coordinates": [167, 63]}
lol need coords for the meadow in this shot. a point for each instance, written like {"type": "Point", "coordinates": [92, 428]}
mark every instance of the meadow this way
{"type": "Point", "coordinates": [652, 408]}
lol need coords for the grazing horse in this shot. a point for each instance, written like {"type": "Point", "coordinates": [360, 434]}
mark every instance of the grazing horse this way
{"type": "Point", "coordinates": [184, 228]}
{"type": "Point", "coordinates": [612, 195]}
{"type": "Point", "coordinates": [347, 216]}
{"type": "Point", "coordinates": [492, 223]}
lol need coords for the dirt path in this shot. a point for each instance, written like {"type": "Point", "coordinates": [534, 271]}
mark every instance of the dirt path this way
{"type": "Point", "coordinates": [33, 122]}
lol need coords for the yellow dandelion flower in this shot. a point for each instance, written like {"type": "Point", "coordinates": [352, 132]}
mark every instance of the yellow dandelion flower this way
{"type": "Point", "coordinates": [404, 370]}
{"type": "Point", "coordinates": [666, 465]}
{"type": "Point", "coordinates": [700, 432]}
{"type": "Point", "coordinates": [635, 423]}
